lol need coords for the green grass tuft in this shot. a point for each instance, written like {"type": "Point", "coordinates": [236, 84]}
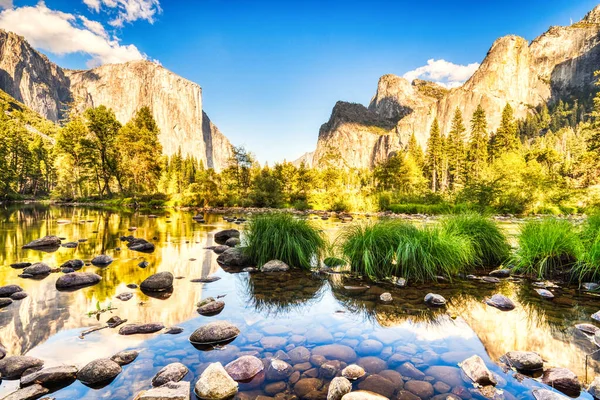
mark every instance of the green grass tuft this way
{"type": "Point", "coordinates": [588, 263]}
{"type": "Point", "coordinates": [489, 242]}
{"type": "Point", "coordinates": [547, 247]}
{"type": "Point", "coordinates": [283, 237]}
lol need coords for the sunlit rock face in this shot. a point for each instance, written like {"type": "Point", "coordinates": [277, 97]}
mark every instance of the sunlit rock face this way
{"type": "Point", "coordinates": [176, 103]}
{"type": "Point", "coordinates": [560, 62]}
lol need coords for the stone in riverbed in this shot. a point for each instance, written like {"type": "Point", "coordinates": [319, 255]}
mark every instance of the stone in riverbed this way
{"type": "Point", "coordinates": [587, 328]}
{"type": "Point", "coordinates": [74, 264]}
{"type": "Point", "coordinates": [378, 384]}
{"type": "Point", "coordinates": [435, 300]}
{"type": "Point", "coordinates": [590, 286]}
{"type": "Point", "coordinates": [207, 279]}
{"type": "Point", "coordinates": [338, 388]}
{"type": "Point", "coordinates": [29, 393]}
{"type": "Point", "coordinates": [369, 347]}
{"type": "Point", "coordinates": [594, 388]}
{"type": "Point", "coordinates": [222, 236]}
{"type": "Point", "coordinates": [278, 370]}
{"type": "Point", "coordinates": [143, 264]}
{"type": "Point", "coordinates": [234, 257]}
{"type": "Point", "coordinates": [596, 316]}
{"type": "Point", "coordinates": [102, 260]}
{"type": "Point", "coordinates": [54, 376]}
{"type": "Point", "coordinates": [173, 330]}
{"type": "Point", "coordinates": [160, 282]}
{"type": "Point", "coordinates": [410, 371]}
{"type": "Point", "coordinates": [275, 266]}
{"type": "Point", "coordinates": [173, 372]}
{"type": "Point", "coordinates": [9, 290]}
{"type": "Point", "coordinates": [77, 280]}
{"type": "Point", "coordinates": [220, 249]}
{"type": "Point", "coordinates": [99, 372]}
{"type": "Point", "coordinates": [232, 242]}
{"type": "Point", "coordinates": [13, 367]}
{"type": "Point", "coordinates": [211, 308]}
{"type": "Point", "coordinates": [300, 355]}
{"type": "Point", "coordinates": [45, 242]}
{"type": "Point", "coordinates": [336, 352]}
{"type": "Point", "coordinates": [18, 296]}
{"type": "Point", "coordinates": [562, 379]}
{"type": "Point", "coordinates": [363, 395]}
{"type": "Point", "coordinates": [214, 332]}
{"type": "Point", "coordinates": [386, 297]}
{"type": "Point", "coordinates": [500, 273]}
{"type": "Point", "coordinates": [523, 361]}
{"type": "Point", "coordinates": [141, 245]}
{"type": "Point", "coordinates": [169, 391]}
{"type": "Point", "coordinates": [125, 357]}
{"type": "Point", "coordinates": [476, 370]}
{"type": "Point", "coordinates": [4, 302]}
{"type": "Point", "coordinates": [501, 302]}
{"type": "Point", "coordinates": [124, 296]}
{"type": "Point", "coordinates": [545, 293]}
{"type": "Point", "coordinates": [353, 372]}
{"type": "Point", "coordinates": [244, 368]}
{"type": "Point", "coordinates": [420, 388]}
{"type": "Point", "coordinates": [448, 375]}
{"type": "Point", "coordinates": [134, 329]}
{"type": "Point", "coordinates": [545, 394]}
{"type": "Point", "coordinates": [38, 269]}
{"type": "Point", "coordinates": [20, 265]}
{"type": "Point", "coordinates": [215, 384]}
{"type": "Point", "coordinates": [307, 385]}
{"type": "Point", "coordinates": [70, 245]}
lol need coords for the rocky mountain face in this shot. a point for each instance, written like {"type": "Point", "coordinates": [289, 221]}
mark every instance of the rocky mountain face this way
{"type": "Point", "coordinates": [560, 62]}
{"type": "Point", "coordinates": [176, 103]}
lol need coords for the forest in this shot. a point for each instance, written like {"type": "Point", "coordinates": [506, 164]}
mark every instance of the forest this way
{"type": "Point", "coordinates": [546, 163]}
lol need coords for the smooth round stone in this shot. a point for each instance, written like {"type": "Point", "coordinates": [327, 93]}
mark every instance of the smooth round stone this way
{"type": "Point", "coordinates": [99, 371]}
{"type": "Point", "coordinates": [378, 384]}
{"type": "Point", "coordinates": [9, 290]}
{"type": "Point", "coordinates": [171, 373]}
{"type": "Point", "coordinates": [369, 347]}
{"type": "Point", "coordinates": [307, 385]}
{"type": "Point", "coordinates": [501, 302]}
{"type": "Point", "coordinates": [13, 367]}
{"type": "Point", "coordinates": [523, 361]}
{"type": "Point", "coordinates": [244, 368]}
{"type": "Point", "coordinates": [448, 375]}
{"type": "Point", "coordinates": [386, 297]}
{"type": "Point", "coordinates": [276, 387]}
{"type": "Point", "coordinates": [545, 293]}
{"type": "Point", "coordinates": [102, 260]}
{"type": "Point", "coordinates": [441, 387]}
{"type": "Point", "coordinates": [562, 379]}
{"type": "Point", "coordinates": [124, 296]}
{"type": "Point", "coordinates": [363, 395]}
{"type": "Point", "coordinates": [434, 300]}
{"type": "Point", "coordinates": [271, 343]}
{"type": "Point", "coordinates": [53, 376]}
{"type": "Point", "coordinates": [422, 389]}
{"type": "Point", "coordinates": [159, 282]}
{"type": "Point", "coordinates": [299, 355]}
{"type": "Point", "coordinates": [278, 370]}
{"type": "Point", "coordinates": [318, 335]}
{"type": "Point", "coordinates": [372, 365]}
{"type": "Point", "coordinates": [125, 357]}
{"type": "Point", "coordinates": [214, 332]}
{"type": "Point", "coordinates": [211, 308]}
{"type": "Point", "coordinates": [135, 329]}
{"type": "Point", "coordinates": [37, 269]}
{"type": "Point", "coordinates": [76, 280]}
{"type": "Point", "coordinates": [353, 372]}
{"type": "Point", "coordinates": [336, 352]}
{"type": "Point", "coordinates": [275, 266]}
{"type": "Point", "coordinates": [338, 388]}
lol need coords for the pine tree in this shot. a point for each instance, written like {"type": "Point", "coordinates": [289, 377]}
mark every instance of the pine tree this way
{"type": "Point", "coordinates": [434, 156]}
{"type": "Point", "coordinates": [415, 151]}
{"type": "Point", "coordinates": [477, 153]}
{"type": "Point", "coordinates": [456, 151]}
{"type": "Point", "coordinates": [505, 140]}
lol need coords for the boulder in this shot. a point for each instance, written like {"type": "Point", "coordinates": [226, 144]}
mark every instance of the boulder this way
{"type": "Point", "coordinates": [169, 391]}
{"type": "Point", "coordinates": [234, 257]}
{"type": "Point", "coordinates": [38, 269]}
{"type": "Point", "coordinates": [76, 280]}
{"type": "Point", "coordinates": [278, 370]}
{"type": "Point", "coordinates": [215, 384]}
{"type": "Point", "coordinates": [336, 352]}
{"type": "Point", "coordinates": [125, 357]}
{"type": "Point", "coordinates": [51, 377]}
{"type": "Point", "coordinates": [523, 361]}
{"type": "Point", "coordinates": [338, 387]}
{"type": "Point", "coordinates": [45, 242]}
{"type": "Point", "coordinates": [353, 372]}
{"type": "Point", "coordinates": [222, 236]}
{"type": "Point", "coordinates": [28, 393]}
{"type": "Point", "coordinates": [9, 290]}
{"type": "Point", "coordinates": [214, 332]}
{"type": "Point", "coordinates": [434, 300]}
{"type": "Point", "coordinates": [594, 388]}
{"type": "Point", "coordinates": [160, 282]}
{"type": "Point", "coordinates": [562, 379]}
{"type": "Point", "coordinates": [173, 372]}
{"type": "Point", "coordinates": [14, 366]}
{"type": "Point", "coordinates": [501, 302]}
{"type": "Point", "coordinates": [134, 329]}
{"type": "Point", "coordinates": [99, 372]}
{"type": "Point", "coordinates": [244, 368]}
{"type": "Point", "coordinates": [275, 266]}
{"type": "Point", "coordinates": [102, 260]}
{"type": "Point", "coordinates": [476, 370]}
{"type": "Point", "coordinates": [587, 328]}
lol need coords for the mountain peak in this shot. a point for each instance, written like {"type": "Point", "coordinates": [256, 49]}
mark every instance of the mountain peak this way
{"type": "Point", "coordinates": [592, 17]}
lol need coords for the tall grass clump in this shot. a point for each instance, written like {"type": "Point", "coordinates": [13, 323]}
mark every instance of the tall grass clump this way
{"type": "Point", "coordinates": [396, 248]}
{"type": "Point", "coordinates": [283, 237]}
{"type": "Point", "coordinates": [547, 247]}
{"type": "Point", "coordinates": [588, 263]}
{"type": "Point", "coordinates": [489, 242]}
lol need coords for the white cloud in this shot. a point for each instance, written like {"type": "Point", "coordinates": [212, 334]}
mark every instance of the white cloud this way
{"type": "Point", "coordinates": [59, 33]}
{"type": "Point", "coordinates": [6, 4]}
{"type": "Point", "coordinates": [126, 10]}
{"type": "Point", "coordinates": [443, 72]}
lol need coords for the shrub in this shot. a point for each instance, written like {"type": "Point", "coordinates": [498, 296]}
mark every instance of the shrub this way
{"type": "Point", "coordinates": [489, 242]}
{"type": "Point", "coordinates": [412, 208]}
{"type": "Point", "coordinates": [283, 237]}
{"type": "Point", "coordinates": [547, 247]}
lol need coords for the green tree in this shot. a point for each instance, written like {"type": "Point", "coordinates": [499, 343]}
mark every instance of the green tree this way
{"type": "Point", "coordinates": [434, 156]}
{"type": "Point", "coordinates": [477, 153]}
{"type": "Point", "coordinates": [456, 151]}
{"type": "Point", "coordinates": [506, 139]}
{"type": "Point", "coordinates": [416, 151]}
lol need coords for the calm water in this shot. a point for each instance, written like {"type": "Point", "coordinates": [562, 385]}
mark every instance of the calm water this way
{"type": "Point", "coordinates": [275, 312]}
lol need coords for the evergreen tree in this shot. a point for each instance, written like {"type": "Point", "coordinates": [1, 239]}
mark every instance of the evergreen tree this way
{"type": "Point", "coordinates": [477, 153]}
{"type": "Point", "coordinates": [415, 151]}
{"type": "Point", "coordinates": [434, 156]}
{"type": "Point", "coordinates": [456, 151]}
{"type": "Point", "coordinates": [505, 140]}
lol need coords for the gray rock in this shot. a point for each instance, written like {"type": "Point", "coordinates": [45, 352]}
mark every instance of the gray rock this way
{"type": "Point", "coordinates": [98, 372]}
{"type": "Point", "coordinates": [232, 242]}
{"type": "Point", "coordinates": [214, 332]}
{"type": "Point", "coordinates": [476, 370]}
{"type": "Point", "coordinates": [562, 379]}
{"type": "Point", "coordinates": [9, 290]}
{"type": "Point", "coordinates": [4, 302]}
{"type": "Point", "coordinates": [490, 279]}
{"type": "Point", "coordinates": [545, 394]}
{"type": "Point", "coordinates": [594, 388]}
{"type": "Point", "coordinates": [125, 357]}
{"type": "Point", "coordinates": [20, 265]}
{"type": "Point", "coordinates": [169, 391]}
{"type": "Point", "coordinates": [545, 293]}
{"type": "Point", "coordinates": [220, 249]}
{"type": "Point", "coordinates": [336, 352]}
{"type": "Point", "coordinates": [102, 260]}
{"type": "Point", "coordinates": [211, 308]}
{"type": "Point", "coordinates": [523, 361]}
{"type": "Point", "coordinates": [234, 257]}
{"type": "Point", "coordinates": [435, 300]}
{"type": "Point", "coordinates": [353, 372]}
{"type": "Point", "coordinates": [207, 279]}
{"type": "Point", "coordinates": [590, 286]}
{"type": "Point", "coordinates": [18, 296]}
{"type": "Point", "coordinates": [587, 328]}
{"type": "Point", "coordinates": [173, 330]}
{"type": "Point", "coordinates": [143, 264]}
{"type": "Point", "coordinates": [141, 245]}
{"type": "Point", "coordinates": [275, 266]}
{"type": "Point", "coordinates": [49, 377]}
{"type": "Point", "coordinates": [70, 245]}
{"type": "Point", "coordinates": [77, 280]}
{"type": "Point", "coordinates": [244, 368]}
{"type": "Point", "coordinates": [173, 372]}
{"type": "Point", "coordinates": [74, 264]}
{"type": "Point", "coordinates": [29, 393]}
{"type": "Point", "coordinates": [363, 395]}
{"type": "Point", "coordinates": [501, 302]}
{"type": "Point", "coordinates": [13, 367]}
{"type": "Point", "coordinates": [500, 273]}
{"type": "Point", "coordinates": [160, 282]}
{"type": "Point", "coordinates": [222, 236]}
{"type": "Point", "coordinates": [45, 242]}
{"type": "Point", "coordinates": [124, 296]}
{"type": "Point", "coordinates": [338, 388]}
{"type": "Point", "coordinates": [278, 370]}
{"type": "Point", "coordinates": [135, 329]}
{"type": "Point", "coordinates": [38, 269]}
{"type": "Point", "coordinates": [386, 297]}
{"type": "Point", "coordinates": [215, 384]}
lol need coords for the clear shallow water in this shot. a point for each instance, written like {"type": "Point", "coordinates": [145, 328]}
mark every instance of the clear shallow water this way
{"type": "Point", "coordinates": [273, 312]}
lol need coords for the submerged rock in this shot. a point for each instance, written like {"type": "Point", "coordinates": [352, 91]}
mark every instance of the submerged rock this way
{"type": "Point", "coordinates": [353, 372]}
{"type": "Point", "coordinates": [48, 377]}
{"type": "Point", "coordinates": [434, 300]}
{"type": "Point", "coordinates": [38, 269]}
{"type": "Point", "coordinates": [338, 388]}
{"type": "Point", "coordinates": [124, 296]}
{"type": "Point", "coordinates": [215, 384]}
{"type": "Point", "coordinates": [135, 329]}
{"type": "Point", "coordinates": [143, 264]}
{"type": "Point", "coordinates": [173, 330]}
{"type": "Point", "coordinates": [476, 370]}
{"type": "Point", "coordinates": [244, 368]}
{"type": "Point", "coordinates": [594, 388]}
{"type": "Point", "coordinates": [207, 279]}
{"type": "Point", "coordinates": [234, 257]}
{"type": "Point", "coordinates": [18, 296]}
{"type": "Point", "coordinates": [99, 372]}
{"type": "Point", "coordinates": [125, 357]}
{"type": "Point", "coordinates": [173, 372]}
{"type": "Point", "coordinates": [160, 282]}
{"type": "Point", "coordinates": [278, 370]}
{"type": "Point", "coordinates": [13, 367]}
{"type": "Point", "coordinates": [335, 352]}
{"type": "Point", "coordinates": [214, 332]}
{"type": "Point", "coordinates": [47, 241]}
{"type": "Point", "coordinates": [222, 236]}
{"type": "Point", "coordinates": [562, 379]}
{"type": "Point", "coordinates": [169, 391]}
{"type": "Point", "coordinates": [275, 266]}
{"type": "Point", "coordinates": [102, 260]}
{"type": "Point", "coordinates": [523, 361]}
{"type": "Point", "coordinates": [501, 302]}
{"type": "Point", "coordinates": [77, 280]}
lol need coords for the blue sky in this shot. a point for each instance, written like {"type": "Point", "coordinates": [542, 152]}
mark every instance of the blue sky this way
{"type": "Point", "coordinates": [272, 71]}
